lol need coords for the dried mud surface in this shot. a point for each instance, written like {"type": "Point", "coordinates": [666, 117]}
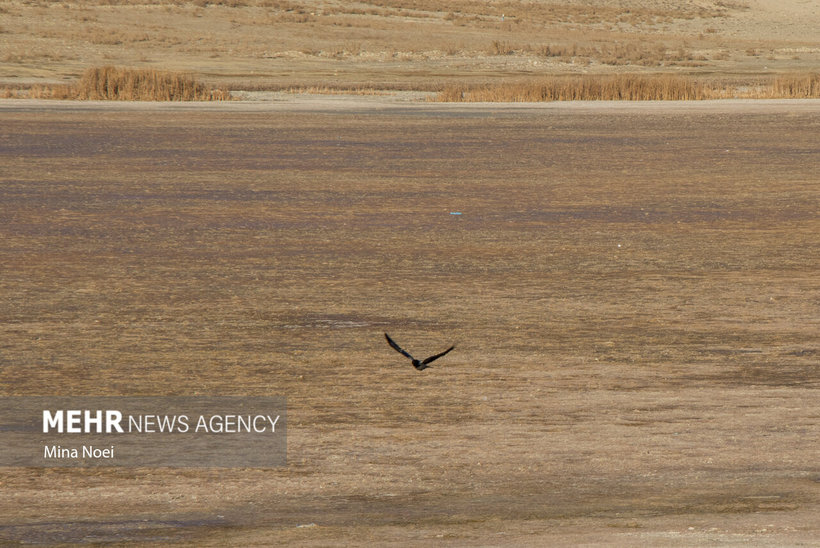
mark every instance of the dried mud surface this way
{"type": "Point", "coordinates": [632, 291]}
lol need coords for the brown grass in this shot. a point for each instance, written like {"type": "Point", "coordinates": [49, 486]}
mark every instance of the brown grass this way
{"type": "Point", "coordinates": [617, 87]}
{"type": "Point", "coordinates": [797, 85]}
{"type": "Point", "coordinates": [632, 87]}
{"type": "Point", "coordinates": [126, 84]}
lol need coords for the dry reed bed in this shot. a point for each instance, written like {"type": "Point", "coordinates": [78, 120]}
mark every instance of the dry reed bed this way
{"type": "Point", "coordinates": [632, 87]}
{"type": "Point", "coordinates": [125, 84]}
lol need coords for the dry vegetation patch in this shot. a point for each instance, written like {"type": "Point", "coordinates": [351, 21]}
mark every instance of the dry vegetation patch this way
{"type": "Point", "coordinates": [126, 84]}
{"type": "Point", "coordinates": [633, 87]}
{"type": "Point", "coordinates": [801, 85]}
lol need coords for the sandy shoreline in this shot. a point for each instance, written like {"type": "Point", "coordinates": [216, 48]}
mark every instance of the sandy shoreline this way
{"type": "Point", "coordinates": [408, 101]}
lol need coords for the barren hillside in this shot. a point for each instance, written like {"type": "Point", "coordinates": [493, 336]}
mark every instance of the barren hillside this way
{"type": "Point", "coordinates": [405, 44]}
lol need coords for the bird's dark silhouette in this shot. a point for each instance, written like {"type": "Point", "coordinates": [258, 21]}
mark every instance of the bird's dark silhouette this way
{"type": "Point", "coordinates": [418, 364]}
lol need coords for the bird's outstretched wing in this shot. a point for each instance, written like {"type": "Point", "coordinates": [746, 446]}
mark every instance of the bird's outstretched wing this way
{"type": "Point", "coordinates": [437, 356]}
{"type": "Point", "coordinates": [396, 347]}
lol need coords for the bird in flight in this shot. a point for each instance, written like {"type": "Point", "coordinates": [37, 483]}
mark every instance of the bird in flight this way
{"type": "Point", "coordinates": [418, 364]}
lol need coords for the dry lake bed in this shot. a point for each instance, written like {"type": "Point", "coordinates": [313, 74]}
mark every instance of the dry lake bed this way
{"type": "Point", "coordinates": [632, 290]}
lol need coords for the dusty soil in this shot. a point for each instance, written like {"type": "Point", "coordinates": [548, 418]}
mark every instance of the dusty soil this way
{"type": "Point", "coordinates": [632, 290]}
{"type": "Point", "coordinates": [399, 44]}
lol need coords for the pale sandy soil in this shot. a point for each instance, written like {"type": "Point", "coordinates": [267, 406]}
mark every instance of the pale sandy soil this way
{"type": "Point", "coordinates": [407, 45]}
{"type": "Point", "coordinates": [398, 101]}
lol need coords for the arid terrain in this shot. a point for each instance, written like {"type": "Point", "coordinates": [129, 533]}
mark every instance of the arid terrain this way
{"type": "Point", "coordinates": [632, 291]}
{"type": "Point", "coordinates": [406, 44]}
{"type": "Point", "coordinates": [631, 287]}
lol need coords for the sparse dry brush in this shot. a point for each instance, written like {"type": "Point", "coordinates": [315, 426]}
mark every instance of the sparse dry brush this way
{"type": "Point", "coordinates": [125, 84]}
{"type": "Point", "coordinates": [615, 54]}
{"type": "Point", "coordinates": [539, 13]}
{"type": "Point", "coordinates": [356, 42]}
